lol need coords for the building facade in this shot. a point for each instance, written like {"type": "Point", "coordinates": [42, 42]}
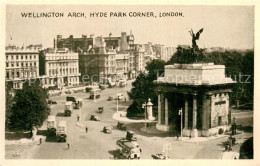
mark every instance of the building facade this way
{"type": "Point", "coordinates": [122, 66]}
{"type": "Point", "coordinates": [21, 65]}
{"type": "Point", "coordinates": [200, 92]}
{"type": "Point", "coordinates": [97, 65]}
{"type": "Point", "coordinates": [59, 67]}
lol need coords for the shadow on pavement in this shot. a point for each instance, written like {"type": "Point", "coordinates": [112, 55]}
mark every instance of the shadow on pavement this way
{"type": "Point", "coordinates": [42, 132]}
{"type": "Point", "coordinates": [136, 127]}
{"type": "Point", "coordinates": [60, 114]}
{"type": "Point", "coordinates": [115, 154]}
{"type": "Point", "coordinates": [17, 135]}
{"type": "Point", "coordinates": [248, 129]}
{"type": "Point", "coordinates": [50, 139]}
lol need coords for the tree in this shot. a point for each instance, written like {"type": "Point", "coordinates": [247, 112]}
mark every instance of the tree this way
{"type": "Point", "coordinates": [143, 88]}
{"type": "Point", "coordinates": [30, 108]}
{"type": "Point", "coordinates": [9, 101]}
{"type": "Point", "coordinates": [248, 75]}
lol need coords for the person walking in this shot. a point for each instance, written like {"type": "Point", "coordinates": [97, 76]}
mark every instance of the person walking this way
{"type": "Point", "coordinates": [68, 145]}
{"type": "Point", "coordinates": [40, 141]}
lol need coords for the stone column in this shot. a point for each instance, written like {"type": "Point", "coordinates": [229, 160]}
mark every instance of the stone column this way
{"type": "Point", "coordinates": [186, 113]}
{"type": "Point", "coordinates": [162, 109]}
{"type": "Point", "coordinates": [159, 109]}
{"type": "Point", "coordinates": [205, 126]}
{"type": "Point", "coordinates": [166, 111]}
{"type": "Point", "coordinates": [194, 132]}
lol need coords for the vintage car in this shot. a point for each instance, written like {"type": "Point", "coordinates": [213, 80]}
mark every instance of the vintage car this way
{"type": "Point", "coordinates": [52, 102]}
{"type": "Point", "coordinates": [68, 91]}
{"type": "Point", "coordinates": [100, 110]}
{"type": "Point", "coordinates": [110, 98]}
{"type": "Point", "coordinates": [158, 156]}
{"type": "Point", "coordinates": [94, 118]}
{"type": "Point", "coordinates": [121, 126]}
{"type": "Point", "coordinates": [107, 129]}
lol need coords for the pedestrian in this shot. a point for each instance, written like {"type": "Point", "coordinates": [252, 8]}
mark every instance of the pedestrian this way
{"type": "Point", "coordinates": [86, 129]}
{"type": "Point", "coordinates": [190, 137]}
{"type": "Point", "coordinates": [40, 141]}
{"type": "Point", "coordinates": [68, 145]}
{"type": "Point", "coordinates": [235, 128]}
{"type": "Point", "coordinates": [77, 117]}
{"type": "Point", "coordinates": [177, 136]}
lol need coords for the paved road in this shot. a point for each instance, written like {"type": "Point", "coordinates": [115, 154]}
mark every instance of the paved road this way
{"type": "Point", "coordinates": [97, 145]}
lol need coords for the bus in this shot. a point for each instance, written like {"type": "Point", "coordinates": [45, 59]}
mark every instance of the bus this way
{"type": "Point", "coordinates": [61, 134]}
{"type": "Point", "coordinates": [51, 125]}
{"type": "Point", "coordinates": [95, 93]}
{"type": "Point", "coordinates": [68, 108]}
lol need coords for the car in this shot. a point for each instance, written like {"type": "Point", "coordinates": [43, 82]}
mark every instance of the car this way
{"type": "Point", "coordinates": [107, 129]}
{"type": "Point", "coordinates": [52, 102]}
{"type": "Point", "coordinates": [119, 96]}
{"type": "Point", "coordinates": [158, 156]}
{"type": "Point", "coordinates": [94, 118]}
{"type": "Point", "coordinates": [110, 98]}
{"type": "Point", "coordinates": [68, 91]}
{"type": "Point", "coordinates": [121, 126]}
{"type": "Point", "coordinates": [100, 110]}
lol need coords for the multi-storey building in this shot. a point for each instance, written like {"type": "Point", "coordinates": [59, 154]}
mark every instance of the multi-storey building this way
{"type": "Point", "coordinates": [122, 65]}
{"type": "Point", "coordinates": [97, 65]}
{"type": "Point", "coordinates": [59, 67]}
{"type": "Point", "coordinates": [159, 51]}
{"type": "Point", "coordinates": [121, 43]}
{"type": "Point", "coordinates": [21, 65]}
{"type": "Point", "coordinates": [169, 51]}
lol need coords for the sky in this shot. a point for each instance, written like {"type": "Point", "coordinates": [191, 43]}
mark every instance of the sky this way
{"type": "Point", "coordinates": [224, 26]}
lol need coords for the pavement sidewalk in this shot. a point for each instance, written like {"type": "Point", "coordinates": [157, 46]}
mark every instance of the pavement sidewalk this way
{"type": "Point", "coordinates": [121, 116]}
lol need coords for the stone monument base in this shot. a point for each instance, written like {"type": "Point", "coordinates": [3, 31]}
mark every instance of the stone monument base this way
{"type": "Point", "coordinates": [162, 127]}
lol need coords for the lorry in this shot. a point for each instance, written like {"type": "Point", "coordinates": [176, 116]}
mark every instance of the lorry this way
{"type": "Point", "coordinates": [76, 102]}
{"type": "Point", "coordinates": [51, 125]}
{"type": "Point", "coordinates": [61, 133]}
{"type": "Point", "coordinates": [68, 108]}
{"type": "Point", "coordinates": [129, 149]}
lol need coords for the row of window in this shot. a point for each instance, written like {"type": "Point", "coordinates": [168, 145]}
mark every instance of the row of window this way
{"type": "Point", "coordinates": [14, 74]}
{"type": "Point", "coordinates": [63, 64]}
{"type": "Point", "coordinates": [60, 57]}
{"type": "Point", "coordinates": [22, 64]}
{"type": "Point", "coordinates": [53, 72]}
{"type": "Point", "coordinates": [21, 57]}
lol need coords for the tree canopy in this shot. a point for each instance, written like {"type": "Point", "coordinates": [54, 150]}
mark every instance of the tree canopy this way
{"type": "Point", "coordinates": [30, 107]}
{"type": "Point", "coordinates": [143, 87]}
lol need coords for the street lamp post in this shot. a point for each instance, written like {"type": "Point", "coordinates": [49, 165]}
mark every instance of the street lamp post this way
{"type": "Point", "coordinates": [117, 99]}
{"type": "Point", "coordinates": [145, 124]}
{"type": "Point", "coordinates": [180, 113]}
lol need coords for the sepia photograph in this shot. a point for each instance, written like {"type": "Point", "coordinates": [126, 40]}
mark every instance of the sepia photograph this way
{"type": "Point", "coordinates": [120, 82]}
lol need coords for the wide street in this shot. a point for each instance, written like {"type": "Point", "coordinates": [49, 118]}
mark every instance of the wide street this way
{"type": "Point", "coordinates": [95, 144]}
